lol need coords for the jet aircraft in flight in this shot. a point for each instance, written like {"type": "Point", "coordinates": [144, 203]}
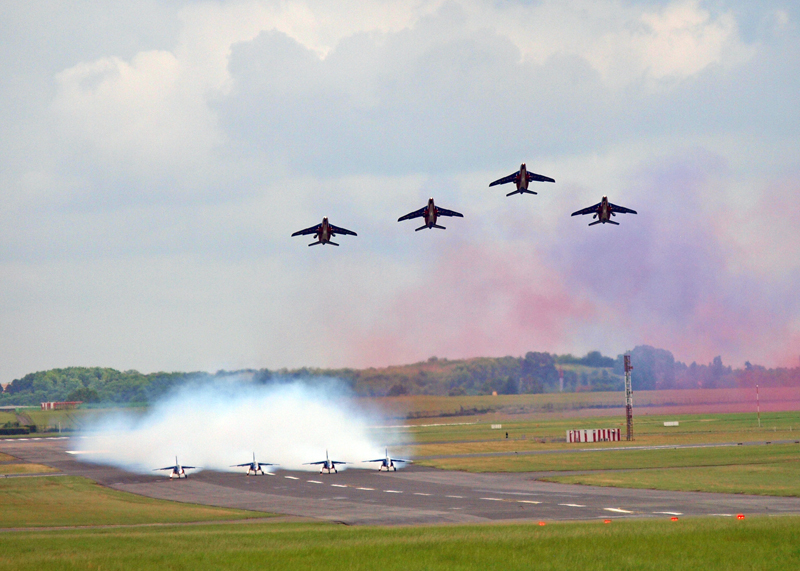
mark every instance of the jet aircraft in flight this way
{"type": "Point", "coordinates": [521, 178]}
{"type": "Point", "coordinates": [254, 466]}
{"type": "Point", "coordinates": [177, 471]}
{"type": "Point", "coordinates": [430, 213]}
{"type": "Point", "coordinates": [603, 211]}
{"type": "Point", "coordinates": [324, 231]}
{"type": "Point", "coordinates": [388, 462]}
{"type": "Point", "coordinates": [326, 464]}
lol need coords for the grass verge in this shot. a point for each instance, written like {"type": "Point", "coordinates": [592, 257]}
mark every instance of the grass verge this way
{"type": "Point", "coordinates": [623, 459]}
{"type": "Point", "coordinates": [774, 479]}
{"type": "Point", "coordinates": [12, 469]}
{"type": "Point", "coordinates": [69, 501]}
{"type": "Point", "coordinates": [755, 543]}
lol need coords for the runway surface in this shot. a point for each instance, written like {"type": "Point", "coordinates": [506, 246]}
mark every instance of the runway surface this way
{"type": "Point", "coordinates": [413, 495]}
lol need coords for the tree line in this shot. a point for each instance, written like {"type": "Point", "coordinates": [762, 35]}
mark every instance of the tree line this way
{"type": "Point", "coordinates": [536, 372]}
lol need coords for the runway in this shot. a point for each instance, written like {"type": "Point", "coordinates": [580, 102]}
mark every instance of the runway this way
{"type": "Point", "coordinates": [410, 496]}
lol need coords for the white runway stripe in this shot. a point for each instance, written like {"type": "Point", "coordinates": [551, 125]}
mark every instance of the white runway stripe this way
{"type": "Point", "coordinates": [669, 513]}
{"type": "Point", "coordinates": [339, 486]}
{"type": "Point", "coordinates": [494, 499]}
{"type": "Point", "coordinates": [573, 505]}
{"type": "Point", "coordinates": [313, 481]}
{"type": "Point", "coordinates": [393, 491]}
{"type": "Point", "coordinates": [617, 510]}
{"type": "Point", "coordinates": [420, 494]}
{"type": "Point", "coordinates": [291, 478]}
{"type": "Point", "coordinates": [368, 489]}
{"type": "Point", "coordinates": [527, 502]}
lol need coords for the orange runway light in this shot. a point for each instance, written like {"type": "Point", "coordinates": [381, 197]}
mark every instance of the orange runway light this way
{"type": "Point", "coordinates": [739, 516]}
{"type": "Point", "coordinates": [542, 523]}
{"type": "Point", "coordinates": [606, 521]}
{"type": "Point", "coordinates": [674, 518]}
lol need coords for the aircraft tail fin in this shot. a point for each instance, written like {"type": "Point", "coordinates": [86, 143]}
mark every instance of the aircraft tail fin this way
{"type": "Point", "coordinates": [421, 228]}
{"type": "Point", "coordinates": [439, 227]}
{"type": "Point", "coordinates": [515, 192]}
{"type": "Point", "coordinates": [315, 243]}
{"type": "Point", "coordinates": [612, 222]}
{"type": "Point", "coordinates": [593, 223]}
{"type": "Point", "coordinates": [332, 243]}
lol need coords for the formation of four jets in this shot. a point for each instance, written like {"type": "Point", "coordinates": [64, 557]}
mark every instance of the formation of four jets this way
{"type": "Point", "coordinates": [255, 467]}
{"type": "Point", "coordinates": [603, 210]}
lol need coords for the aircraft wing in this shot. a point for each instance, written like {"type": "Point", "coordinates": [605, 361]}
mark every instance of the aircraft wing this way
{"type": "Point", "coordinates": [588, 210]}
{"type": "Point", "coordinates": [446, 212]}
{"type": "Point", "coordinates": [338, 230]}
{"type": "Point", "coordinates": [167, 468]}
{"type": "Point", "coordinates": [621, 209]}
{"type": "Point", "coordinates": [242, 465]}
{"type": "Point", "coordinates": [506, 179]}
{"type": "Point", "coordinates": [539, 177]}
{"type": "Point", "coordinates": [189, 467]}
{"type": "Point", "coordinates": [378, 460]}
{"type": "Point", "coordinates": [312, 230]}
{"type": "Point", "coordinates": [312, 463]}
{"type": "Point", "coordinates": [415, 214]}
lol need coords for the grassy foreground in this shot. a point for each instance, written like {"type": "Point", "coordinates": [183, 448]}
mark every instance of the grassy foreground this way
{"type": "Point", "coordinates": [70, 501]}
{"type": "Point", "coordinates": [757, 543]}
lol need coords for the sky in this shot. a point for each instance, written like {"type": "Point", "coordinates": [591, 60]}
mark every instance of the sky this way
{"type": "Point", "coordinates": [156, 156]}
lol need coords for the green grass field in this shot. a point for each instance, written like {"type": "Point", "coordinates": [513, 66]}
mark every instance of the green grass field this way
{"type": "Point", "coordinates": [70, 501]}
{"type": "Point", "coordinates": [6, 458]}
{"type": "Point", "coordinates": [689, 544]}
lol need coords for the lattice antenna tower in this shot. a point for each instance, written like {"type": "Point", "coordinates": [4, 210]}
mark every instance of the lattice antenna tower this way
{"type": "Point", "coordinates": [628, 396]}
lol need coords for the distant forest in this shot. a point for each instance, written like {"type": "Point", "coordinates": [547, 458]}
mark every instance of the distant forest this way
{"type": "Point", "coordinates": [654, 369]}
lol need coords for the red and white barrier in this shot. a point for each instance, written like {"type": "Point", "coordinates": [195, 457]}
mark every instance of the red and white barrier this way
{"type": "Point", "coordinates": [594, 435]}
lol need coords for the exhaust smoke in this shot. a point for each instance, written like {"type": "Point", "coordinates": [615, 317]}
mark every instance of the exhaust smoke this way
{"type": "Point", "coordinates": [213, 425]}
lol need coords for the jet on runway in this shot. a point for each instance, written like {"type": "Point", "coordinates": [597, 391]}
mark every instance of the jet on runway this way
{"type": "Point", "coordinates": [178, 471]}
{"type": "Point", "coordinates": [603, 211]}
{"type": "Point", "coordinates": [254, 467]}
{"type": "Point", "coordinates": [521, 178]}
{"type": "Point", "coordinates": [324, 231]}
{"type": "Point", "coordinates": [326, 464]}
{"type": "Point", "coordinates": [430, 213]}
{"type": "Point", "coordinates": [388, 462]}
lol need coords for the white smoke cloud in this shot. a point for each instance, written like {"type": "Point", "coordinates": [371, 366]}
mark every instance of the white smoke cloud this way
{"type": "Point", "coordinates": [215, 425]}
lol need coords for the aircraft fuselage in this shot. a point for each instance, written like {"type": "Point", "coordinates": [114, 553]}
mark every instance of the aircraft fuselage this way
{"type": "Point", "coordinates": [604, 211]}
{"type": "Point", "coordinates": [430, 214]}
{"type": "Point", "coordinates": [522, 178]}
{"type": "Point", "coordinates": [324, 233]}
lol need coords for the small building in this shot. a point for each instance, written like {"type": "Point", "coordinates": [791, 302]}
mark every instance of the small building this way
{"type": "Point", "coordinates": [594, 435]}
{"type": "Point", "coordinates": [62, 405]}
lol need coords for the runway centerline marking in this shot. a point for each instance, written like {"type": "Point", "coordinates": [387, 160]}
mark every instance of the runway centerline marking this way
{"type": "Point", "coordinates": [617, 510]}
{"type": "Point", "coordinates": [669, 513]}
{"type": "Point", "coordinates": [723, 515]}
{"type": "Point", "coordinates": [393, 491]}
{"type": "Point", "coordinates": [368, 489]}
{"type": "Point", "coordinates": [421, 494]}
{"type": "Point", "coordinates": [494, 499]}
{"type": "Point", "coordinates": [313, 481]}
{"type": "Point", "coordinates": [291, 478]}
{"type": "Point", "coordinates": [573, 505]}
{"type": "Point", "coordinates": [458, 497]}
{"type": "Point", "coordinates": [527, 502]}
{"type": "Point", "coordinates": [339, 486]}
